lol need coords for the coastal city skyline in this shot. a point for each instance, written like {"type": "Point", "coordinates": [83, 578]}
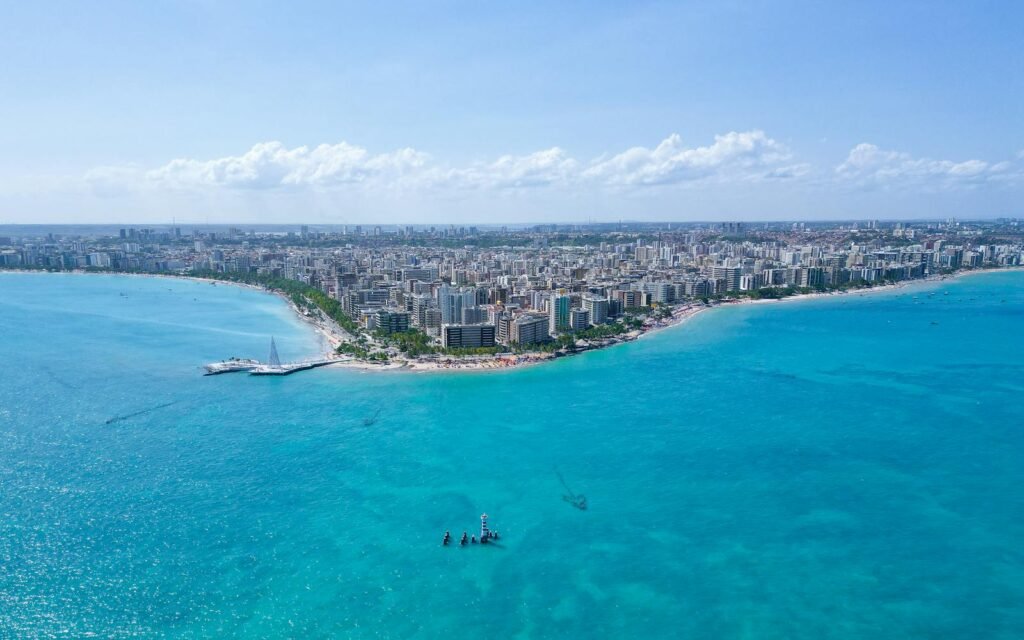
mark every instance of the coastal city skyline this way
{"type": "Point", "coordinates": [423, 297]}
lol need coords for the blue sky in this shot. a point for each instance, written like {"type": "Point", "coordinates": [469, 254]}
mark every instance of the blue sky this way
{"type": "Point", "coordinates": [461, 112]}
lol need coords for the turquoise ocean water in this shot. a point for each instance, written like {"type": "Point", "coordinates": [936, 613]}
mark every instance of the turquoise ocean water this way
{"type": "Point", "coordinates": [830, 468]}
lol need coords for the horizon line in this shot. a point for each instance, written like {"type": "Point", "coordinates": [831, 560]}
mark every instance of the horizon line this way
{"type": "Point", "coordinates": [509, 224]}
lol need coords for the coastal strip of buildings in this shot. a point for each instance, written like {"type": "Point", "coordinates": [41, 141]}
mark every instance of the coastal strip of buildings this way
{"type": "Point", "coordinates": [482, 288]}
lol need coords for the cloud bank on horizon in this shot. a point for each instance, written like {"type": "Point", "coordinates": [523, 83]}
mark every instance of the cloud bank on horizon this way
{"type": "Point", "coordinates": [747, 156]}
{"type": "Point", "coordinates": [736, 158]}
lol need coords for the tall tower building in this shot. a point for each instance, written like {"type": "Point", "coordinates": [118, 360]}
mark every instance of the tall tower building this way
{"type": "Point", "coordinates": [558, 313]}
{"type": "Point", "coordinates": [452, 301]}
{"type": "Point", "coordinates": [598, 308]}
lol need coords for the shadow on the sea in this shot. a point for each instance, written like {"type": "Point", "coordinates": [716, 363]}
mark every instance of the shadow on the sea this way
{"type": "Point", "coordinates": [774, 373]}
{"type": "Point", "coordinates": [59, 380]}
{"type": "Point", "coordinates": [577, 500]}
{"type": "Point", "coordinates": [135, 414]}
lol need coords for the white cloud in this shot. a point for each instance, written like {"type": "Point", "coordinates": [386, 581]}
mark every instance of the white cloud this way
{"type": "Point", "coordinates": [735, 155]}
{"type": "Point", "coordinates": [749, 155]}
{"type": "Point", "coordinates": [868, 165]}
{"type": "Point", "coordinates": [540, 169]}
{"type": "Point", "coordinates": [271, 164]}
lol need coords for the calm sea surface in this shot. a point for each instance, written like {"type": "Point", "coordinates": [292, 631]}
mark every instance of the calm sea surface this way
{"type": "Point", "coordinates": [851, 467]}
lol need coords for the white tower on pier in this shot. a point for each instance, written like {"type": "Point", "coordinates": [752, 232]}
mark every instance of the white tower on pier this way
{"type": "Point", "coordinates": [275, 361]}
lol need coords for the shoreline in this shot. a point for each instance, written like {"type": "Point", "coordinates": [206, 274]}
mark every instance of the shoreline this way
{"type": "Point", "coordinates": [680, 316]}
{"type": "Point", "coordinates": [332, 335]}
{"type": "Point", "coordinates": [335, 335]}
{"type": "Point", "coordinates": [818, 295]}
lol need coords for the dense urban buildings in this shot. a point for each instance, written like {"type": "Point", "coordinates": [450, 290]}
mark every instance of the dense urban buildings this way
{"type": "Point", "coordinates": [470, 290]}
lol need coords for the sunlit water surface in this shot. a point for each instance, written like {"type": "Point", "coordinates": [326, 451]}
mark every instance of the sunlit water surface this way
{"type": "Point", "coordinates": [851, 467]}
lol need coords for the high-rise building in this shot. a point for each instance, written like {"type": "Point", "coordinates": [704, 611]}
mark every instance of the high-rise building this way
{"type": "Point", "coordinates": [558, 313]}
{"type": "Point", "coordinates": [579, 319]}
{"type": "Point", "coordinates": [425, 274]}
{"type": "Point", "coordinates": [663, 292]}
{"type": "Point", "coordinates": [731, 275]}
{"type": "Point", "coordinates": [99, 259]}
{"type": "Point", "coordinates": [811, 277]}
{"type": "Point", "coordinates": [420, 304]}
{"type": "Point", "coordinates": [631, 298]}
{"type": "Point", "coordinates": [598, 308]}
{"type": "Point", "coordinates": [529, 329]}
{"type": "Point", "coordinates": [751, 281]}
{"type": "Point", "coordinates": [390, 321]}
{"type": "Point", "coordinates": [467, 335]}
{"type": "Point", "coordinates": [452, 301]}
{"type": "Point", "coordinates": [432, 321]}
{"type": "Point", "coordinates": [503, 322]}
{"type": "Point", "coordinates": [473, 315]}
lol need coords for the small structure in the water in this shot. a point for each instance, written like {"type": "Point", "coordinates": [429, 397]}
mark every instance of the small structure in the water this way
{"type": "Point", "coordinates": [231, 365]}
{"type": "Point", "coordinates": [486, 535]}
{"type": "Point", "coordinates": [577, 500]}
{"type": "Point", "coordinates": [274, 367]}
{"type": "Point", "coordinates": [275, 360]}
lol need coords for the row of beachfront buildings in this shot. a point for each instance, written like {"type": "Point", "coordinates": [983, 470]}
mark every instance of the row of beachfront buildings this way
{"type": "Point", "coordinates": [473, 297]}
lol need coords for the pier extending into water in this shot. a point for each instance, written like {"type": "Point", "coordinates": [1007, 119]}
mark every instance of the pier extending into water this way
{"type": "Point", "coordinates": [257, 368]}
{"type": "Point", "coordinates": [274, 367]}
{"type": "Point", "coordinates": [285, 369]}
